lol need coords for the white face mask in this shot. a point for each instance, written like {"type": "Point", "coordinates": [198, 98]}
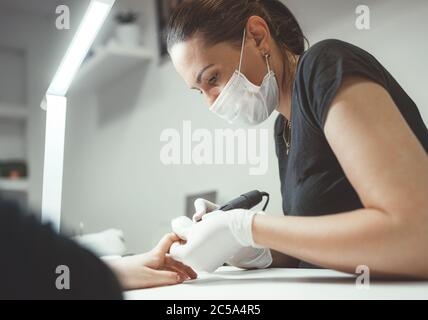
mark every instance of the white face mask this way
{"type": "Point", "coordinates": [242, 102]}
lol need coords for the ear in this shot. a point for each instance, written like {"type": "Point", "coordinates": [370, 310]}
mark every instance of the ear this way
{"type": "Point", "coordinates": [258, 31]}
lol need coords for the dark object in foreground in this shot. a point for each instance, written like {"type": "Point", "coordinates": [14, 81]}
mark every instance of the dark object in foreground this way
{"type": "Point", "coordinates": [37, 263]}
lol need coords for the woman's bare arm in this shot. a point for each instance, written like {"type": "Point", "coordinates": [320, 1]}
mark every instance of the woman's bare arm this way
{"type": "Point", "coordinates": [388, 168]}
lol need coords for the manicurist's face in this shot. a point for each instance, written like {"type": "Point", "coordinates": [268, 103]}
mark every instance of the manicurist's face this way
{"type": "Point", "coordinates": [208, 69]}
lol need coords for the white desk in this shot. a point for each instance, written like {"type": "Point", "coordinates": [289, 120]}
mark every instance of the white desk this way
{"type": "Point", "coordinates": [283, 284]}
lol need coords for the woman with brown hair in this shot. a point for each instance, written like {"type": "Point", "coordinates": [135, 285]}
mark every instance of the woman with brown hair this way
{"type": "Point", "coordinates": [351, 144]}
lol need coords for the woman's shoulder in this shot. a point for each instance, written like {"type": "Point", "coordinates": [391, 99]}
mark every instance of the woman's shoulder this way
{"type": "Point", "coordinates": [328, 52]}
{"type": "Point", "coordinates": [328, 57]}
{"type": "Point", "coordinates": [329, 43]}
{"type": "Point", "coordinates": [329, 47]}
{"type": "Point", "coordinates": [322, 69]}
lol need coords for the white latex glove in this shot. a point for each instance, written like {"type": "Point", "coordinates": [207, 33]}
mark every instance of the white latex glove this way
{"type": "Point", "coordinates": [215, 240]}
{"type": "Point", "coordinates": [247, 257]}
{"type": "Point", "coordinates": [203, 207]}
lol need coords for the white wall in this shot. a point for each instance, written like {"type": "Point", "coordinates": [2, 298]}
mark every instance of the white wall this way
{"type": "Point", "coordinates": [397, 37]}
{"type": "Point", "coordinates": [113, 176]}
{"type": "Point", "coordinates": [13, 75]}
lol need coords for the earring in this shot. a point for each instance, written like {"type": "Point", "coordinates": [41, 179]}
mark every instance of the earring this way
{"type": "Point", "coordinates": [266, 54]}
{"type": "Point", "coordinates": [267, 57]}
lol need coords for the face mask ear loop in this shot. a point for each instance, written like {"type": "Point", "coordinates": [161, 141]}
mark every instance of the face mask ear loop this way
{"type": "Point", "coordinates": [242, 50]}
{"type": "Point", "coordinates": [268, 67]}
{"type": "Point", "coordinates": [267, 62]}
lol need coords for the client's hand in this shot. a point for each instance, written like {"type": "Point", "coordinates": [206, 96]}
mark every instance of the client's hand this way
{"type": "Point", "coordinates": [152, 269]}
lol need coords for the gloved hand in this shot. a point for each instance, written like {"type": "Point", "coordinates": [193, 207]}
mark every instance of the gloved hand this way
{"type": "Point", "coordinates": [247, 257]}
{"type": "Point", "coordinates": [214, 240]}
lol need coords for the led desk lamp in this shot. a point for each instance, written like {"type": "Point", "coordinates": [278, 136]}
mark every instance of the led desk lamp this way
{"type": "Point", "coordinates": [55, 105]}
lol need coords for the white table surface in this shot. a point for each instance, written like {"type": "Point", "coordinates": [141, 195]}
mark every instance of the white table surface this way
{"type": "Point", "coordinates": [283, 284]}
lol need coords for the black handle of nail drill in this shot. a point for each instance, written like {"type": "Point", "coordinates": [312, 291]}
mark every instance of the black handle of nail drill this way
{"type": "Point", "coordinates": [246, 201]}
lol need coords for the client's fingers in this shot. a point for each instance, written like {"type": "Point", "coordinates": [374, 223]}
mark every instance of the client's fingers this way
{"type": "Point", "coordinates": [165, 278]}
{"type": "Point", "coordinates": [183, 276]}
{"type": "Point", "coordinates": [171, 263]}
{"type": "Point", "coordinates": [165, 243]}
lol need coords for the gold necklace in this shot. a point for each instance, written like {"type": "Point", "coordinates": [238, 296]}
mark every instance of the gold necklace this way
{"type": "Point", "coordinates": [287, 135]}
{"type": "Point", "coordinates": [287, 138]}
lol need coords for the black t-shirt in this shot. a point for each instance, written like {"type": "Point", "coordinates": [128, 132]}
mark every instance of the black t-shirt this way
{"type": "Point", "coordinates": [30, 254]}
{"type": "Point", "coordinates": [312, 180]}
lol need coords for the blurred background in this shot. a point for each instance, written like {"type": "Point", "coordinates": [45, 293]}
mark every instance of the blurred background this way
{"type": "Point", "coordinates": [128, 92]}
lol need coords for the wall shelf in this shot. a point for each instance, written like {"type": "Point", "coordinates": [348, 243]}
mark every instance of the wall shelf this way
{"type": "Point", "coordinates": [13, 112]}
{"type": "Point", "coordinates": [14, 185]}
{"type": "Point", "coordinates": [108, 64]}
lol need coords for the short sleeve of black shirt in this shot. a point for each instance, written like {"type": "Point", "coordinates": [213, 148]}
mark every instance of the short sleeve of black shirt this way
{"type": "Point", "coordinates": [312, 180]}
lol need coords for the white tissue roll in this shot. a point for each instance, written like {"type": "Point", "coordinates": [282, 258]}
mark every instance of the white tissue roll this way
{"type": "Point", "coordinates": [107, 243]}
